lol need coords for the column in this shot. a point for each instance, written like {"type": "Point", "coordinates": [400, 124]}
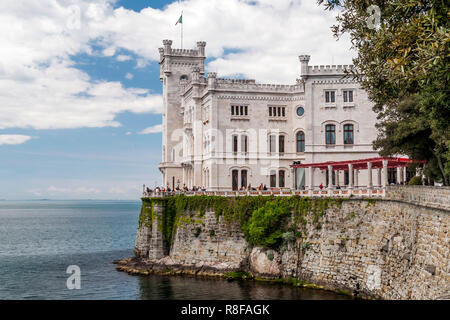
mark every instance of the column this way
{"type": "Point", "coordinates": [385, 181]}
{"type": "Point", "coordinates": [311, 177]}
{"type": "Point", "coordinates": [336, 174]}
{"type": "Point", "coordinates": [293, 177]}
{"type": "Point", "coordinates": [350, 176]}
{"type": "Point", "coordinates": [379, 177]}
{"type": "Point", "coordinates": [184, 176]}
{"type": "Point", "coordinates": [398, 176]}
{"type": "Point", "coordinates": [369, 175]}
{"type": "Point", "coordinates": [330, 176]}
{"type": "Point", "coordinates": [356, 178]}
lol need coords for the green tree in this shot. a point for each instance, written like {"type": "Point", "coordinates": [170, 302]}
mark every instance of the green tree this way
{"type": "Point", "coordinates": [403, 64]}
{"type": "Point", "coordinates": [264, 226]}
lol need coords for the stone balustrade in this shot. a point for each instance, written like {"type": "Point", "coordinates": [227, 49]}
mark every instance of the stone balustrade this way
{"type": "Point", "coordinates": [340, 193]}
{"type": "Point", "coordinates": [428, 196]}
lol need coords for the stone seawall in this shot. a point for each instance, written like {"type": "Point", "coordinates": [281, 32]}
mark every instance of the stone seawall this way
{"type": "Point", "coordinates": [388, 249]}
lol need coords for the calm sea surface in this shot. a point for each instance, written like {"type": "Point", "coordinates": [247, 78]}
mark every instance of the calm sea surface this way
{"type": "Point", "coordinates": [40, 239]}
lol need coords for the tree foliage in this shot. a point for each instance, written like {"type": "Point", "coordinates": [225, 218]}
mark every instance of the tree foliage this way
{"type": "Point", "coordinates": [264, 226]}
{"type": "Point", "coordinates": [403, 64]}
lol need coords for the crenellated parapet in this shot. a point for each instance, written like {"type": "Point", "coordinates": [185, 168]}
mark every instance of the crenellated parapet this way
{"type": "Point", "coordinates": [329, 69]}
{"type": "Point", "coordinates": [178, 59]}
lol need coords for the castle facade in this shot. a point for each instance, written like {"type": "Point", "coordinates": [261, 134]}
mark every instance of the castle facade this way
{"type": "Point", "coordinates": [227, 134]}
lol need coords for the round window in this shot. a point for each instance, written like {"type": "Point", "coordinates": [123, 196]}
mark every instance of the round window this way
{"type": "Point", "coordinates": [300, 111]}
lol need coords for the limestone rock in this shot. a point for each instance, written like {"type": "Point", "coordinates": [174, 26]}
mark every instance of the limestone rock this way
{"type": "Point", "coordinates": [260, 263]}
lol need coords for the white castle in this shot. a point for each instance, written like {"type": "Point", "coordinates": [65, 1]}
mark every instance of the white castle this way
{"type": "Point", "coordinates": [227, 134]}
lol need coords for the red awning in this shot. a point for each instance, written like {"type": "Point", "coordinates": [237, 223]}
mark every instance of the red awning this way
{"type": "Point", "coordinates": [360, 164]}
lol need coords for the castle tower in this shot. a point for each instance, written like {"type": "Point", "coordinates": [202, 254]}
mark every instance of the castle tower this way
{"type": "Point", "coordinates": [304, 60]}
{"type": "Point", "coordinates": [176, 67]}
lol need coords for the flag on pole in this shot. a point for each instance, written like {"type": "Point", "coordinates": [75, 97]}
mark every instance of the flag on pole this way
{"type": "Point", "coordinates": [180, 20]}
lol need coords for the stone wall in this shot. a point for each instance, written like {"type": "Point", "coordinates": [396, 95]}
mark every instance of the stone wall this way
{"type": "Point", "coordinates": [386, 249]}
{"type": "Point", "coordinates": [209, 242]}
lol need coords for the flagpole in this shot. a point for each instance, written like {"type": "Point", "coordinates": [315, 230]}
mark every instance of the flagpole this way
{"type": "Point", "coordinates": [182, 29]}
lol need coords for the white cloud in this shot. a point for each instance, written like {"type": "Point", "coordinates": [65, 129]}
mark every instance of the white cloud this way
{"type": "Point", "coordinates": [122, 58]}
{"type": "Point", "coordinates": [41, 88]}
{"type": "Point", "coordinates": [128, 133]}
{"type": "Point", "coordinates": [13, 139]}
{"type": "Point", "coordinates": [153, 129]}
{"type": "Point", "coordinates": [129, 76]}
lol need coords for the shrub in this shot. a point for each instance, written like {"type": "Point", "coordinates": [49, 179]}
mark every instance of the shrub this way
{"type": "Point", "coordinates": [269, 255]}
{"type": "Point", "coordinates": [264, 226]}
{"type": "Point", "coordinates": [415, 181]}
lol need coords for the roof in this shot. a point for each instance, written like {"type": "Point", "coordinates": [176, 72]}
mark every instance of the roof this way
{"type": "Point", "coordinates": [359, 164]}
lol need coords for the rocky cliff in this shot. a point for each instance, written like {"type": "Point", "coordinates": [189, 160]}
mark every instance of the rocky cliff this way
{"type": "Point", "coordinates": [389, 248]}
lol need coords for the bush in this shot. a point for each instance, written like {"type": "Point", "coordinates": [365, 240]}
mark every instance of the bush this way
{"type": "Point", "coordinates": [415, 181]}
{"type": "Point", "coordinates": [264, 226]}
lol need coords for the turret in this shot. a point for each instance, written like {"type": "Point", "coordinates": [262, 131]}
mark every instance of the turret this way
{"type": "Point", "coordinates": [304, 59]}
{"type": "Point", "coordinates": [212, 80]}
{"type": "Point", "coordinates": [167, 46]}
{"type": "Point", "coordinates": [201, 48]}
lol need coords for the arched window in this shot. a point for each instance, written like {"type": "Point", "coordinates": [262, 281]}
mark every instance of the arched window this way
{"type": "Point", "coordinates": [244, 143]}
{"type": "Point", "coordinates": [272, 143]}
{"type": "Point", "coordinates": [234, 179]}
{"type": "Point", "coordinates": [273, 178]}
{"type": "Point", "coordinates": [348, 134]}
{"type": "Point", "coordinates": [330, 134]}
{"type": "Point", "coordinates": [281, 143]}
{"type": "Point", "coordinates": [235, 143]}
{"type": "Point", "coordinates": [244, 178]}
{"type": "Point", "coordinates": [281, 178]}
{"type": "Point", "coordinates": [184, 77]}
{"type": "Point", "coordinates": [300, 141]}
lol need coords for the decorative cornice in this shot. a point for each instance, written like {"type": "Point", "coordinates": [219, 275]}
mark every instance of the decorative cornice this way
{"type": "Point", "coordinates": [264, 98]}
{"type": "Point", "coordinates": [338, 81]}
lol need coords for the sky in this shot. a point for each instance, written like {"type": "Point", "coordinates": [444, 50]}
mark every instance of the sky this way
{"type": "Point", "coordinates": [80, 96]}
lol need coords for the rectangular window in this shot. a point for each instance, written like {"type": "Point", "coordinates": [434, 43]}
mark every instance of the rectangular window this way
{"type": "Point", "coordinates": [281, 143]}
{"type": "Point", "coordinates": [242, 110]}
{"type": "Point", "coordinates": [232, 110]}
{"type": "Point", "coordinates": [348, 95]}
{"type": "Point", "coordinates": [246, 110]}
{"type": "Point", "coordinates": [330, 96]}
{"type": "Point", "coordinates": [283, 111]}
{"type": "Point", "coordinates": [270, 111]}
